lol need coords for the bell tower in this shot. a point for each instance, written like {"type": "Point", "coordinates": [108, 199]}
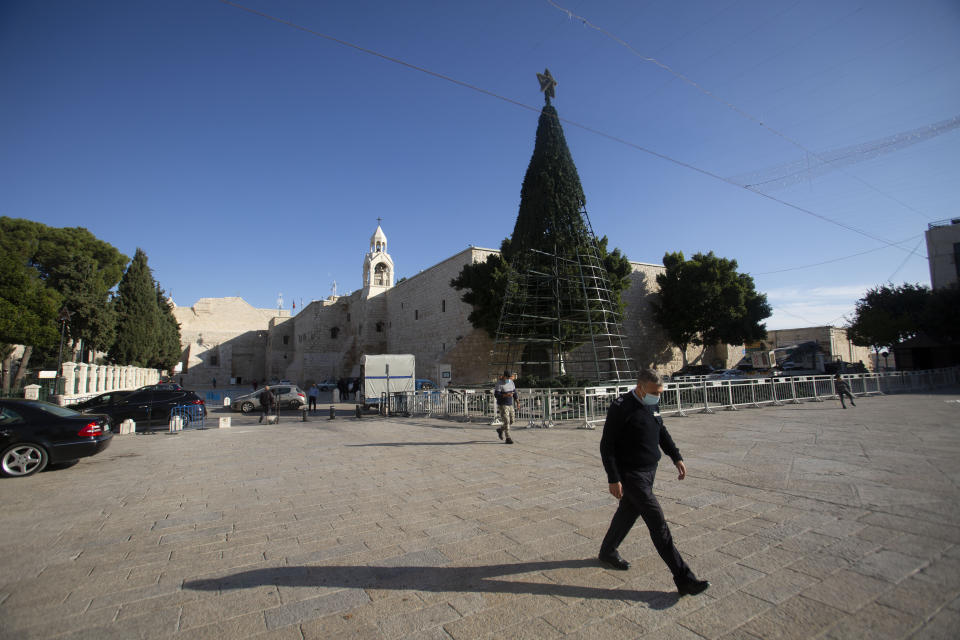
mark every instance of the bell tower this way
{"type": "Point", "coordinates": [377, 265]}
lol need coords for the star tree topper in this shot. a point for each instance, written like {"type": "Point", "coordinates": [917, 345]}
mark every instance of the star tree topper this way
{"type": "Point", "coordinates": [547, 83]}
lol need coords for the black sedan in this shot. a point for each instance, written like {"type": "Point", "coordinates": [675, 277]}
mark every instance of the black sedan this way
{"type": "Point", "coordinates": [34, 434]}
{"type": "Point", "coordinates": [151, 406]}
{"type": "Point", "coordinates": [92, 404]}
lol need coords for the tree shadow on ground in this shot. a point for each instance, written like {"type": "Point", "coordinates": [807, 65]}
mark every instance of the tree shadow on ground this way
{"type": "Point", "coordinates": [480, 579]}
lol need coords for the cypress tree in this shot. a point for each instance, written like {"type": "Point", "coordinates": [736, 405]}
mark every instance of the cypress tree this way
{"type": "Point", "coordinates": [137, 315]}
{"type": "Point", "coordinates": [168, 342]}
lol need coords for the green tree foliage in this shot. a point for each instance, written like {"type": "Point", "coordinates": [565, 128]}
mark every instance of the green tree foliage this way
{"type": "Point", "coordinates": [168, 341]}
{"type": "Point", "coordinates": [72, 263]}
{"type": "Point", "coordinates": [704, 301]}
{"type": "Point", "coordinates": [549, 220]}
{"type": "Point", "coordinates": [138, 318]}
{"type": "Point", "coordinates": [888, 314]}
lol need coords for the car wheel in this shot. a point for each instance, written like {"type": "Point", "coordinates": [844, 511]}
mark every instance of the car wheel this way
{"type": "Point", "coordinates": [294, 404]}
{"type": "Point", "coordinates": [23, 459]}
{"type": "Point", "coordinates": [246, 407]}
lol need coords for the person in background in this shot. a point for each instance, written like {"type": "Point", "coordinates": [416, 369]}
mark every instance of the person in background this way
{"type": "Point", "coordinates": [266, 402]}
{"type": "Point", "coordinates": [312, 394]}
{"type": "Point", "coordinates": [505, 391]}
{"type": "Point", "coordinates": [843, 389]}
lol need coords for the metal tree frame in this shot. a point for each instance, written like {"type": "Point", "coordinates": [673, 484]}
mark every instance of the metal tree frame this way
{"type": "Point", "coordinates": [559, 317]}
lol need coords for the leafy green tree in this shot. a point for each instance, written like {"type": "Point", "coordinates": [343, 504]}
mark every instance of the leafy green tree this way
{"type": "Point", "coordinates": [168, 342]}
{"type": "Point", "coordinates": [138, 326]}
{"type": "Point", "coordinates": [78, 266]}
{"type": "Point", "coordinates": [28, 308]}
{"type": "Point", "coordinates": [28, 315]}
{"type": "Point", "coordinates": [704, 301]}
{"type": "Point", "coordinates": [888, 314]}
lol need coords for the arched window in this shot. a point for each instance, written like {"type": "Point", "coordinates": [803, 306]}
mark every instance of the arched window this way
{"type": "Point", "coordinates": [380, 275]}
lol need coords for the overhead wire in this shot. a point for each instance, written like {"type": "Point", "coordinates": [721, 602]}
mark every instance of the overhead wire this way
{"type": "Point", "coordinates": [713, 96]}
{"type": "Point", "coordinates": [902, 264]}
{"type": "Point", "coordinates": [832, 260]}
{"type": "Point", "coordinates": [572, 123]}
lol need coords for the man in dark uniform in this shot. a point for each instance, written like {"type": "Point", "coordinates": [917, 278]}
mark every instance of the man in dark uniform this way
{"type": "Point", "coordinates": [633, 435]}
{"type": "Point", "coordinates": [266, 402]}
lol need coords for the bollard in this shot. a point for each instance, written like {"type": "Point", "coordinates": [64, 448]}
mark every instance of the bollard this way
{"type": "Point", "coordinates": [357, 412]}
{"type": "Point", "coordinates": [333, 412]}
{"type": "Point", "coordinates": [303, 415]}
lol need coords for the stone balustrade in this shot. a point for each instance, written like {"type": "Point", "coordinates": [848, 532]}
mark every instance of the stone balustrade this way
{"type": "Point", "coordinates": [83, 380]}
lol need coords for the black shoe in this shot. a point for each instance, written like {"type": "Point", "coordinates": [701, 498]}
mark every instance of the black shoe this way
{"type": "Point", "coordinates": [691, 587]}
{"type": "Point", "coordinates": [614, 561]}
{"type": "Point", "coordinates": [500, 432]}
{"type": "Point", "coordinates": [509, 440]}
{"type": "Point", "coordinates": [854, 403]}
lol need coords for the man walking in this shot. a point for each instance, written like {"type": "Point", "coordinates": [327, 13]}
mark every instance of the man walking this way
{"type": "Point", "coordinates": [843, 389]}
{"type": "Point", "coordinates": [312, 394]}
{"type": "Point", "coordinates": [633, 435]}
{"type": "Point", "coordinates": [505, 391]}
{"type": "Point", "coordinates": [266, 402]}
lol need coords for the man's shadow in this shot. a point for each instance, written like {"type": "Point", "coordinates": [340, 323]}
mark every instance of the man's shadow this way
{"type": "Point", "coordinates": [439, 579]}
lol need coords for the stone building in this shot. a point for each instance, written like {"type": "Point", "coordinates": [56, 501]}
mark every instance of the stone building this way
{"type": "Point", "coordinates": [223, 338]}
{"type": "Point", "coordinates": [943, 249]}
{"type": "Point", "coordinates": [228, 339]}
{"type": "Point", "coordinates": [832, 340]}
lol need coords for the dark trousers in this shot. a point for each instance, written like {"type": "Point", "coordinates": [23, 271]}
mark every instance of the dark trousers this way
{"type": "Point", "coordinates": [639, 502]}
{"type": "Point", "coordinates": [265, 410]}
{"type": "Point", "coordinates": [849, 395]}
{"type": "Point", "coordinates": [312, 403]}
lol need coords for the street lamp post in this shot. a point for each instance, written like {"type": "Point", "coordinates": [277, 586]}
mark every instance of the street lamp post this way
{"type": "Point", "coordinates": [64, 319]}
{"type": "Point", "coordinates": [885, 354]}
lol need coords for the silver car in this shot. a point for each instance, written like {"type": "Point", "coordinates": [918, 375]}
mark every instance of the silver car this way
{"type": "Point", "coordinates": [285, 395]}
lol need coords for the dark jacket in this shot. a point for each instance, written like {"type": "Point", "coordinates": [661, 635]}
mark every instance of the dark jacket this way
{"type": "Point", "coordinates": [266, 398]}
{"type": "Point", "coordinates": [633, 435]}
{"type": "Point", "coordinates": [842, 386]}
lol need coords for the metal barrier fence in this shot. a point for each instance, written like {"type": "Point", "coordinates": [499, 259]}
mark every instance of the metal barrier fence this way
{"type": "Point", "coordinates": [586, 407]}
{"type": "Point", "coordinates": [192, 415]}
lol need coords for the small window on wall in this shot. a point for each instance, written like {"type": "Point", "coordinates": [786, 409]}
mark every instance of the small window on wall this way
{"type": "Point", "coordinates": [334, 332]}
{"type": "Point", "coordinates": [214, 360]}
{"type": "Point", "coordinates": [443, 306]}
{"type": "Point", "coordinates": [416, 314]}
{"type": "Point", "coordinates": [286, 339]}
{"type": "Point", "coordinates": [380, 327]}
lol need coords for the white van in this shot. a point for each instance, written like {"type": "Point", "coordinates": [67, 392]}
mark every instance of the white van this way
{"type": "Point", "coordinates": [386, 373]}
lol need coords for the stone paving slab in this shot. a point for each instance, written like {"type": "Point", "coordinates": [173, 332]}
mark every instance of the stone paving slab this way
{"type": "Point", "coordinates": [810, 521]}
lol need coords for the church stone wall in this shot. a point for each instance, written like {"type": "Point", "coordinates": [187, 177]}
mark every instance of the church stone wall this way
{"type": "Point", "coordinates": [428, 319]}
{"type": "Point", "coordinates": [422, 315]}
{"type": "Point", "coordinates": [222, 338]}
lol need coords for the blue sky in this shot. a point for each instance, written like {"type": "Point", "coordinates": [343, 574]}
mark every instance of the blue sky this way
{"type": "Point", "coordinates": [247, 157]}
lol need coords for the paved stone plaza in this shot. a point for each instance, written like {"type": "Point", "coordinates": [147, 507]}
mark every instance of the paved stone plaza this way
{"type": "Point", "coordinates": [810, 521]}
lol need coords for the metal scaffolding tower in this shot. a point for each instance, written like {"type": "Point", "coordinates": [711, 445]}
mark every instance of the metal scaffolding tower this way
{"type": "Point", "coordinates": [560, 318]}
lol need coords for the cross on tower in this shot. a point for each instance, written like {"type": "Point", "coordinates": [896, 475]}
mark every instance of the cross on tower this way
{"type": "Point", "coordinates": [379, 220]}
